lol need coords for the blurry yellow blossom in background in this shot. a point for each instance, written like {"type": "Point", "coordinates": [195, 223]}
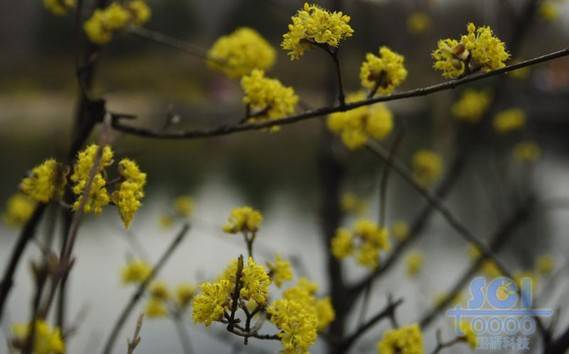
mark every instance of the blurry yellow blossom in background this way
{"type": "Point", "coordinates": [352, 204]}
{"type": "Point", "coordinates": [418, 22]}
{"type": "Point", "coordinates": [19, 208]}
{"type": "Point", "coordinates": [365, 241]}
{"type": "Point", "coordinates": [358, 125]}
{"type": "Point", "coordinates": [509, 120]}
{"type": "Point", "coordinates": [471, 106]}
{"type": "Point", "coordinates": [545, 264]}
{"type": "Point", "coordinates": [136, 271]}
{"type": "Point", "coordinates": [342, 243]}
{"type": "Point", "coordinates": [159, 290]}
{"type": "Point", "coordinates": [414, 263]}
{"type": "Point", "coordinates": [408, 339]}
{"type": "Point", "coordinates": [280, 271]}
{"type": "Point", "coordinates": [468, 334]}
{"type": "Point", "coordinates": [427, 167]}
{"type": "Point", "coordinates": [241, 51]}
{"type": "Point", "coordinates": [526, 151]}
{"type": "Point", "coordinates": [48, 340]}
{"type": "Point", "coordinates": [549, 11]}
{"type": "Point", "coordinates": [155, 308]}
{"type": "Point", "coordinates": [400, 230]}
{"type": "Point", "coordinates": [243, 219]}
{"type": "Point", "coordinates": [314, 25]}
{"type": "Point", "coordinates": [59, 7]}
{"type": "Point", "coordinates": [184, 294]}
{"type": "Point", "coordinates": [101, 26]}
{"type": "Point", "coordinates": [383, 72]}
{"type": "Point", "coordinates": [140, 11]}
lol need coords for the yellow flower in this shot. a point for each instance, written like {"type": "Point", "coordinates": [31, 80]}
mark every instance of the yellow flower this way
{"type": "Point", "coordinates": [489, 268]}
{"type": "Point", "coordinates": [414, 263]}
{"type": "Point", "coordinates": [140, 11]}
{"type": "Point", "coordinates": [130, 191]}
{"type": "Point", "coordinates": [59, 7]}
{"type": "Point", "coordinates": [418, 22]}
{"type": "Point", "coordinates": [478, 50]}
{"type": "Point", "coordinates": [427, 167]}
{"type": "Point", "coordinates": [545, 264]}
{"type": "Point", "coordinates": [267, 98]}
{"type": "Point", "coordinates": [19, 208]}
{"type": "Point", "coordinates": [400, 230]}
{"type": "Point", "coordinates": [350, 203]}
{"type": "Point", "coordinates": [155, 308]}
{"type": "Point", "coordinates": [342, 243]}
{"type": "Point", "coordinates": [243, 219]}
{"type": "Point", "coordinates": [212, 301]}
{"type": "Point", "coordinates": [526, 151]}
{"type": "Point", "coordinates": [313, 25]}
{"type": "Point", "coordinates": [136, 271]}
{"type": "Point", "coordinates": [238, 53]}
{"type": "Point", "coordinates": [183, 206]}
{"type": "Point", "coordinates": [255, 283]}
{"type": "Point", "coordinates": [184, 294]}
{"type": "Point", "coordinates": [404, 340]}
{"type": "Point", "coordinates": [358, 125]}
{"type": "Point", "coordinates": [159, 290]}
{"type": "Point", "coordinates": [468, 334]}
{"type": "Point", "coordinates": [280, 271]}
{"type": "Point", "coordinates": [45, 182]}
{"type": "Point", "coordinates": [298, 325]}
{"type": "Point", "coordinates": [509, 120]}
{"type": "Point", "coordinates": [384, 72]}
{"type": "Point", "coordinates": [95, 29]}
{"type": "Point", "coordinates": [549, 11]}
{"type": "Point", "coordinates": [48, 340]}
{"type": "Point", "coordinates": [471, 106]}
{"type": "Point", "coordinates": [325, 313]}
{"type": "Point", "coordinates": [98, 196]}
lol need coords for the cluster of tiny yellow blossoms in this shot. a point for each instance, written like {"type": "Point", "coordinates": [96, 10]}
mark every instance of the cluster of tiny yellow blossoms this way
{"type": "Point", "coordinates": [365, 242]}
{"type": "Point", "coordinates": [384, 72]}
{"type": "Point", "coordinates": [358, 125]}
{"type": "Point", "coordinates": [526, 151]}
{"type": "Point", "coordinates": [489, 268]}
{"type": "Point", "coordinates": [48, 340]}
{"type": "Point", "coordinates": [59, 7]}
{"type": "Point", "coordinates": [212, 301]}
{"type": "Point", "coordinates": [477, 50]}
{"type": "Point", "coordinates": [238, 53]}
{"type": "Point", "coordinates": [414, 263]}
{"type": "Point", "coordinates": [136, 271]}
{"type": "Point", "coordinates": [545, 264]}
{"type": "Point", "coordinates": [299, 316]}
{"type": "Point", "coordinates": [130, 191]}
{"type": "Point", "coordinates": [352, 204]}
{"type": "Point", "coordinates": [468, 334]}
{"type": "Point", "coordinates": [19, 208]}
{"type": "Point", "coordinates": [427, 167]}
{"type": "Point", "coordinates": [407, 340]}
{"type": "Point", "coordinates": [418, 22]}
{"type": "Point", "coordinates": [400, 230]}
{"type": "Point", "coordinates": [161, 299]}
{"type": "Point", "coordinates": [471, 106]}
{"type": "Point", "coordinates": [97, 196]}
{"type": "Point", "coordinates": [267, 98]}
{"type": "Point", "coordinates": [509, 120]}
{"type": "Point", "coordinates": [115, 17]}
{"type": "Point", "coordinates": [280, 271]}
{"type": "Point", "coordinates": [313, 25]}
{"type": "Point", "coordinates": [45, 182]}
{"type": "Point", "coordinates": [182, 208]}
{"type": "Point", "coordinates": [549, 11]}
{"type": "Point", "coordinates": [243, 219]}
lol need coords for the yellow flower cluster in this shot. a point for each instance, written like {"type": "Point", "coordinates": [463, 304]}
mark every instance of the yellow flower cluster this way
{"type": "Point", "coordinates": [509, 120]}
{"type": "Point", "coordinates": [299, 316]}
{"type": "Point", "coordinates": [400, 230]}
{"type": "Point", "coordinates": [182, 208]}
{"type": "Point", "coordinates": [19, 208]}
{"type": "Point", "coordinates": [358, 125]}
{"type": "Point", "coordinates": [212, 301]}
{"type": "Point", "coordinates": [48, 340]}
{"type": "Point", "coordinates": [427, 167]}
{"type": "Point", "coordinates": [130, 191]}
{"type": "Point", "coordinates": [97, 196]}
{"type": "Point", "coordinates": [59, 7]}
{"type": "Point", "coordinates": [238, 53]}
{"type": "Point", "coordinates": [313, 25]}
{"type": "Point", "coordinates": [489, 268]}
{"type": "Point", "coordinates": [161, 297]}
{"type": "Point", "coordinates": [267, 98]}
{"type": "Point", "coordinates": [549, 11]}
{"type": "Point", "coordinates": [366, 240]}
{"type": "Point", "coordinates": [418, 22]}
{"type": "Point", "coordinates": [414, 263]}
{"type": "Point", "coordinates": [526, 151]}
{"type": "Point", "coordinates": [243, 219]}
{"type": "Point", "coordinates": [155, 308]}
{"type": "Point", "coordinates": [255, 281]}
{"type": "Point", "coordinates": [545, 264]}
{"type": "Point", "coordinates": [352, 204]}
{"type": "Point", "coordinates": [115, 17]}
{"type": "Point", "coordinates": [468, 334]}
{"type": "Point", "coordinates": [384, 72]}
{"type": "Point", "coordinates": [407, 340]}
{"type": "Point", "coordinates": [136, 271]}
{"type": "Point", "coordinates": [477, 50]}
{"type": "Point", "coordinates": [280, 271]}
{"type": "Point", "coordinates": [45, 182]}
{"type": "Point", "coordinates": [471, 106]}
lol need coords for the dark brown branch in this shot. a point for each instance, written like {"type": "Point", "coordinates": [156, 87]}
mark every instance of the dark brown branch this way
{"type": "Point", "coordinates": [137, 295]}
{"type": "Point", "coordinates": [320, 112]}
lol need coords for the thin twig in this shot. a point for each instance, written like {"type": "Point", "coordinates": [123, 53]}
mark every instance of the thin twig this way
{"type": "Point", "coordinates": [133, 343]}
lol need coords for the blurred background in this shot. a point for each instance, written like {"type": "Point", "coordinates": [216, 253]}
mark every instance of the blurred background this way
{"type": "Point", "coordinates": [275, 173]}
